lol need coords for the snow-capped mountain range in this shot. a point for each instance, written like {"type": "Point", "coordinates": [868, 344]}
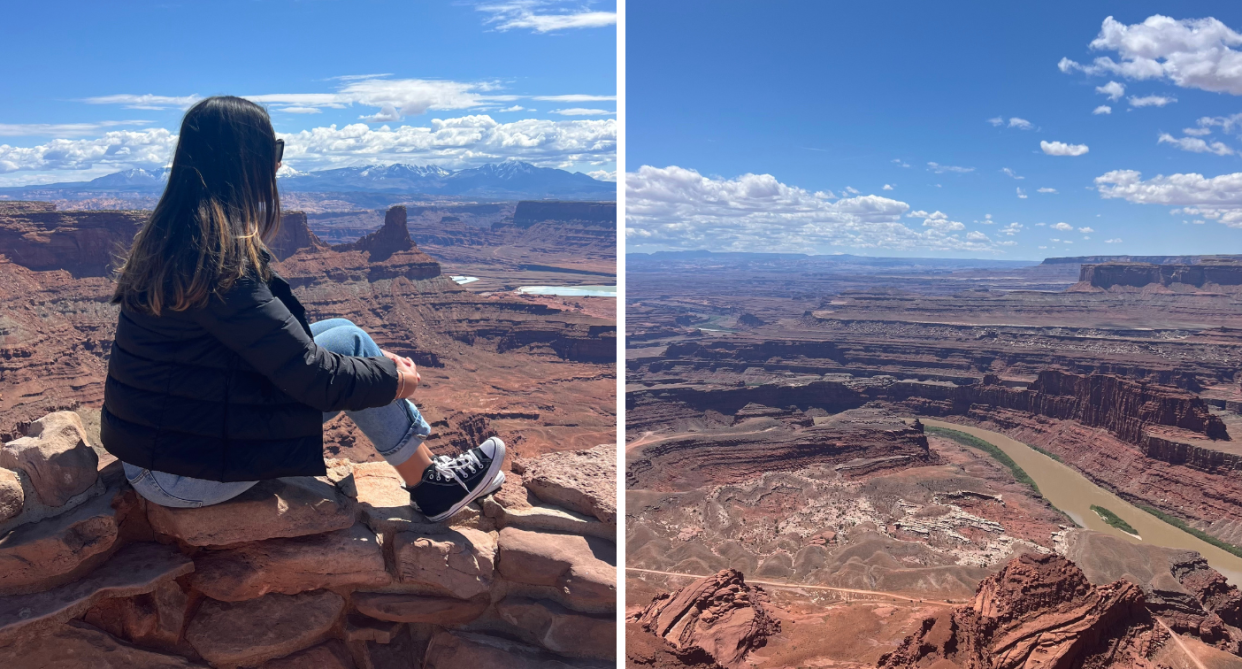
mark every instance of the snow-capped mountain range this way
{"type": "Point", "coordinates": [511, 179]}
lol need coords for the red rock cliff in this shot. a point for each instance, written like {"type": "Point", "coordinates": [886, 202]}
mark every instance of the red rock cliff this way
{"type": "Point", "coordinates": [1039, 611]}
{"type": "Point", "coordinates": [1123, 275]}
{"type": "Point", "coordinates": [86, 243]}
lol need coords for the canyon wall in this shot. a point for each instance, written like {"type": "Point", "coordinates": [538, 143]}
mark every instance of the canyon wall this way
{"type": "Point", "coordinates": [595, 214]}
{"type": "Point", "coordinates": [1133, 275]}
{"type": "Point", "coordinates": [508, 361]}
{"type": "Point", "coordinates": [37, 237]}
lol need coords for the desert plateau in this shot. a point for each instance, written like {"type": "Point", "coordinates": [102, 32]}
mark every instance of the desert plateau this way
{"type": "Point", "coordinates": [844, 461]}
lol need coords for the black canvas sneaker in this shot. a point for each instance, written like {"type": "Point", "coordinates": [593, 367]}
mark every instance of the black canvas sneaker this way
{"type": "Point", "coordinates": [451, 483]}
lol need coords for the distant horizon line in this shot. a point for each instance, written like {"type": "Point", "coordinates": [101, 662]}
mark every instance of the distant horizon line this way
{"type": "Point", "coordinates": [890, 257]}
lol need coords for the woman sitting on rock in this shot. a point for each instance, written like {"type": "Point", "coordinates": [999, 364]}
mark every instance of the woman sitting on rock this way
{"type": "Point", "coordinates": [216, 379]}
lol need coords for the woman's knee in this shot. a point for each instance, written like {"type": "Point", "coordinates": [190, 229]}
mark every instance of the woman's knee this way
{"type": "Point", "coordinates": [320, 327]}
{"type": "Point", "coordinates": [348, 340]}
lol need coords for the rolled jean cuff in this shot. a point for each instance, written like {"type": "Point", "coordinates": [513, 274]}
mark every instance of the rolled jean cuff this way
{"type": "Point", "coordinates": [411, 440]}
{"type": "Point", "coordinates": [404, 450]}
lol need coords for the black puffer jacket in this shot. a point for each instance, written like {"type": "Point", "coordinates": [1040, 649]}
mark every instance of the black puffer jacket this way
{"type": "Point", "coordinates": [234, 391]}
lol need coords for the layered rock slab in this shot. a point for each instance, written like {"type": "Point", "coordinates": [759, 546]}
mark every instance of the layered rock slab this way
{"type": "Point", "coordinates": [153, 620]}
{"type": "Point", "coordinates": [277, 508]}
{"type": "Point", "coordinates": [581, 481]}
{"type": "Point", "coordinates": [37, 556]}
{"type": "Point", "coordinates": [288, 566]}
{"type": "Point", "coordinates": [581, 571]}
{"type": "Point", "coordinates": [456, 562]}
{"type": "Point", "coordinates": [515, 505]}
{"type": "Point", "coordinates": [232, 634]}
{"type": "Point", "coordinates": [398, 607]}
{"type": "Point", "coordinates": [560, 630]}
{"type": "Point", "coordinates": [134, 570]}
{"type": "Point", "coordinates": [77, 646]}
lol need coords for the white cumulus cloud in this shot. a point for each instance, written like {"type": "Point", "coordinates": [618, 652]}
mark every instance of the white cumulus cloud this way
{"type": "Point", "coordinates": [1102, 109]}
{"type": "Point", "coordinates": [1086, 230]}
{"type": "Point", "coordinates": [887, 187]}
{"type": "Point", "coordinates": [678, 208]}
{"type": "Point", "coordinates": [1191, 53]}
{"type": "Point", "coordinates": [1114, 240]}
{"type": "Point", "coordinates": [1014, 122]}
{"type": "Point", "coordinates": [466, 141]}
{"type": "Point", "coordinates": [1063, 226]}
{"type": "Point", "coordinates": [1218, 198]}
{"type": "Point", "coordinates": [1047, 190]}
{"type": "Point", "coordinates": [1196, 145]}
{"type": "Point", "coordinates": [1021, 194]}
{"type": "Point", "coordinates": [1010, 173]}
{"type": "Point", "coordinates": [1112, 89]}
{"type": "Point", "coordinates": [1063, 149]}
{"type": "Point", "coordinates": [115, 150]}
{"type": "Point", "coordinates": [937, 220]}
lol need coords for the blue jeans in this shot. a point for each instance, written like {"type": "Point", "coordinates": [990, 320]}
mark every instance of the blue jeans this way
{"type": "Point", "coordinates": [396, 430]}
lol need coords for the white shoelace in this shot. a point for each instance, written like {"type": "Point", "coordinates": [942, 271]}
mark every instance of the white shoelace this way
{"type": "Point", "coordinates": [447, 468]}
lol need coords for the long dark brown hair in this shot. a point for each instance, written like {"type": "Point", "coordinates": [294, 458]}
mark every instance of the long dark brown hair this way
{"type": "Point", "coordinates": [220, 204]}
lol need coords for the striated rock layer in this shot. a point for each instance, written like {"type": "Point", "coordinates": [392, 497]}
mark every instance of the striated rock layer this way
{"type": "Point", "coordinates": [1118, 276]}
{"type": "Point", "coordinates": [1039, 611]}
{"type": "Point", "coordinates": [718, 616]}
{"type": "Point", "coordinates": [860, 440]}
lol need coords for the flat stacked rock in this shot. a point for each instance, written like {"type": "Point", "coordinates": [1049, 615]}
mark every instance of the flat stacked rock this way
{"type": "Point", "coordinates": [338, 572]}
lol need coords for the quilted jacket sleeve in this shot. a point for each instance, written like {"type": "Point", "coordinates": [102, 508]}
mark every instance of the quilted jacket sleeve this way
{"type": "Point", "coordinates": [260, 328]}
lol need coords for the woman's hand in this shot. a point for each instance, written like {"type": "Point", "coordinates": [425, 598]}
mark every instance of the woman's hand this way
{"type": "Point", "coordinates": [407, 375]}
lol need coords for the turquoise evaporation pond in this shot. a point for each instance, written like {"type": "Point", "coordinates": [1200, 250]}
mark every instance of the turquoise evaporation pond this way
{"type": "Point", "coordinates": [570, 291]}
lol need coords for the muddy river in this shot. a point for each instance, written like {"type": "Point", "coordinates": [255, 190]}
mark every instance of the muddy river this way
{"type": "Point", "coordinates": [1072, 493]}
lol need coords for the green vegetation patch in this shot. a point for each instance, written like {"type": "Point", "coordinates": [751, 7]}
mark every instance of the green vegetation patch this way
{"type": "Point", "coordinates": [987, 447]}
{"type": "Point", "coordinates": [1181, 525]}
{"type": "Point", "coordinates": [1050, 454]}
{"type": "Point", "coordinates": [1114, 520]}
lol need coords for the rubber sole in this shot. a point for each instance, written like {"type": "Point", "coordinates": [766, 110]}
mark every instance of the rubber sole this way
{"type": "Point", "coordinates": [498, 478]}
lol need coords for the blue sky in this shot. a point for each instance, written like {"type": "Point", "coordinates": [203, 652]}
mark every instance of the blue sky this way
{"type": "Point", "coordinates": [823, 105]}
{"type": "Point", "coordinates": [91, 88]}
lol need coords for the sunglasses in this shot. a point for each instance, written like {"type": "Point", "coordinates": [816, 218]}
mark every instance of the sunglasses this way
{"type": "Point", "coordinates": [280, 149]}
